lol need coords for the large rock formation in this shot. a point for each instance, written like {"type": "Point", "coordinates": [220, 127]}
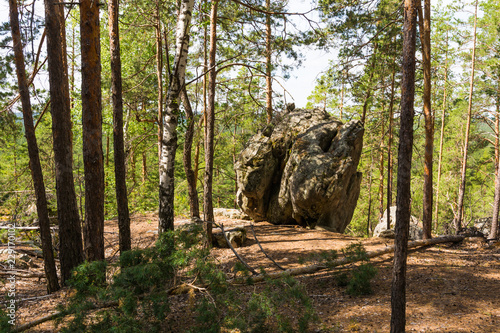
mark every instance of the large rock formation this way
{"type": "Point", "coordinates": [302, 169]}
{"type": "Point", "coordinates": [416, 232]}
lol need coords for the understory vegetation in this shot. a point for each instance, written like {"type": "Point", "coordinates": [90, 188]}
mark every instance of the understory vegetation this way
{"type": "Point", "coordinates": [133, 295]}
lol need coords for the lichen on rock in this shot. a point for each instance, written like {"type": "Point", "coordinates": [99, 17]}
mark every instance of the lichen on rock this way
{"type": "Point", "coordinates": [302, 169]}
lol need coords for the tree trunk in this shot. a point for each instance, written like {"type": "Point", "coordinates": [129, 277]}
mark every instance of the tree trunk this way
{"type": "Point", "coordinates": [389, 151]}
{"type": "Point", "coordinates": [169, 140]}
{"type": "Point", "coordinates": [403, 199]}
{"type": "Point", "coordinates": [208, 208]}
{"type": "Point", "coordinates": [441, 139]}
{"type": "Point", "coordinates": [370, 181]}
{"type": "Point", "coordinates": [369, 87]}
{"type": "Point", "coordinates": [269, 87]}
{"type": "Point", "coordinates": [70, 232]}
{"type": "Point", "coordinates": [461, 192]}
{"type": "Point", "coordinates": [496, 202]}
{"type": "Point", "coordinates": [118, 144]}
{"type": "Point", "coordinates": [92, 130]}
{"type": "Point", "coordinates": [425, 37]}
{"type": "Point", "coordinates": [496, 205]}
{"type": "Point", "coordinates": [381, 169]}
{"type": "Point", "coordinates": [34, 158]}
{"type": "Point", "coordinates": [194, 205]}
{"type": "Point", "coordinates": [159, 76]}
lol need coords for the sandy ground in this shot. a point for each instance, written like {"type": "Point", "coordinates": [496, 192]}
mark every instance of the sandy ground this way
{"type": "Point", "coordinates": [451, 288]}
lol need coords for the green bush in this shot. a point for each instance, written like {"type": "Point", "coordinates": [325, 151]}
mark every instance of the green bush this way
{"type": "Point", "coordinates": [360, 282]}
{"type": "Point", "coordinates": [5, 326]}
{"type": "Point", "coordinates": [137, 295]}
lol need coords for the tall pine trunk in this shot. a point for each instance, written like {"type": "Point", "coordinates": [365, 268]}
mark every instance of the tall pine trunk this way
{"type": "Point", "coordinates": [34, 158]}
{"type": "Point", "coordinates": [403, 199]}
{"type": "Point", "coordinates": [425, 37]}
{"type": "Point", "coordinates": [208, 207]}
{"type": "Point", "coordinates": [118, 144]}
{"type": "Point", "coordinates": [441, 138]}
{"type": "Point", "coordinates": [70, 232]}
{"type": "Point", "coordinates": [381, 169]}
{"type": "Point", "coordinates": [194, 205]}
{"type": "Point", "coordinates": [93, 163]}
{"type": "Point", "coordinates": [389, 151]}
{"type": "Point", "coordinates": [496, 201]}
{"type": "Point", "coordinates": [269, 81]}
{"type": "Point", "coordinates": [169, 138]}
{"type": "Point", "coordinates": [461, 192]}
{"type": "Point", "coordinates": [159, 76]}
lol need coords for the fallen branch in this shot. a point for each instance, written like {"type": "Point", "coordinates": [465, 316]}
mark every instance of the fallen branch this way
{"type": "Point", "coordinates": [268, 257]}
{"type": "Point", "coordinates": [344, 261]}
{"type": "Point", "coordinates": [221, 226]}
{"type": "Point", "coordinates": [22, 273]}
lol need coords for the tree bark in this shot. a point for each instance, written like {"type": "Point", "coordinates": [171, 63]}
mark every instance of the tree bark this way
{"type": "Point", "coordinates": [389, 151]}
{"type": "Point", "coordinates": [461, 192]}
{"type": "Point", "coordinates": [381, 169]}
{"type": "Point", "coordinates": [92, 130]}
{"type": "Point", "coordinates": [441, 139]}
{"type": "Point", "coordinates": [425, 37]}
{"type": "Point", "coordinates": [403, 199]}
{"type": "Point", "coordinates": [70, 232]}
{"type": "Point", "coordinates": [370, 181]}
{"type": "Point", "coordinates": [269, 81]}
{"type": "Point", "coordinates": [34, 158]}
{"type": "Point", "coordinates": [496, 201]}
{"type": "Point", "coordinates": [194, 205]}
{"type": "Point", "coordinates": [208, 208]}
{"type": "Point", "coordinates": [159, 76]}
{"type": "Point", "coordinates": [169, 139]}
{"type": "Point", "coordinates": [118, 144]}
{"type": "Point", "coordinates": [369, 87]}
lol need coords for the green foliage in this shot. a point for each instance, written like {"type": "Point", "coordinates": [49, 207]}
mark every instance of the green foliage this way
{"type": "Point", "coordinates": [358, 279]}
{"type": "Point", "coordinates": [359, 284]}
{"type": "Point", "coordinates": [5, 326]}
{"type": "Point", "coordinates": [138, 295]}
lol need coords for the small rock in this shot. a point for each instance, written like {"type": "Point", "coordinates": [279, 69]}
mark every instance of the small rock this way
{"type": "Point", "coordinates": [236, 236]}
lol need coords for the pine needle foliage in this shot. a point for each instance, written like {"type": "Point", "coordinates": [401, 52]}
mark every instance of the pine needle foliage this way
{"type": "Point", "coordinates": [135, 298]}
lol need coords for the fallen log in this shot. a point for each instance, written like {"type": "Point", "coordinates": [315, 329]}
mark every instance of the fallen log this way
{"type": "Point", "coordinates": [344, 261]}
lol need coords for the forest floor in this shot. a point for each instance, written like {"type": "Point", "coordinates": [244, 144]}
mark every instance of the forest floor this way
{"type": "Point", "coordinates": [450, 287]}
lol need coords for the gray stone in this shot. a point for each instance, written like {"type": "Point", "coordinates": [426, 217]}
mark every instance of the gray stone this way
{"type": "Point", "coordinates": [416, 231]}
{"type": "Point", "coordinates": [302, 169]}
{"type": "Point", "coordinates": [234, 214]}
{"type": "Point", "coordinates": [483, 225]}
{"type": "Point", "coordinates": [236, 236]}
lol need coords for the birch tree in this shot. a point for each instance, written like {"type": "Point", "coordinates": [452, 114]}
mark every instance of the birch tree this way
{"type": "Point", "coordinates": [169, 138]}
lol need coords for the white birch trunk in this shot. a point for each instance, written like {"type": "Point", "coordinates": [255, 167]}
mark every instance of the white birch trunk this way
{"type": "Point", "coordinates": [169, 144]}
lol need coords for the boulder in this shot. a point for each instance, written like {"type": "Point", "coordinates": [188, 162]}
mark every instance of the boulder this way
{"type": "Point", "coordinates": [236, 236]}
{"type": "Point", "coordinates": [302, 169]}
{"type": "Point", "coordinates": [234, 214]}
{"type": "Point", "coordinates": [483, 225]}
{"type": "Point", "coordinates": [416, 231]}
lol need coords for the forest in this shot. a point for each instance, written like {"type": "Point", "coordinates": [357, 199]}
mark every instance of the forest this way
{"type": "Point", "coordinates": [118, 117]}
